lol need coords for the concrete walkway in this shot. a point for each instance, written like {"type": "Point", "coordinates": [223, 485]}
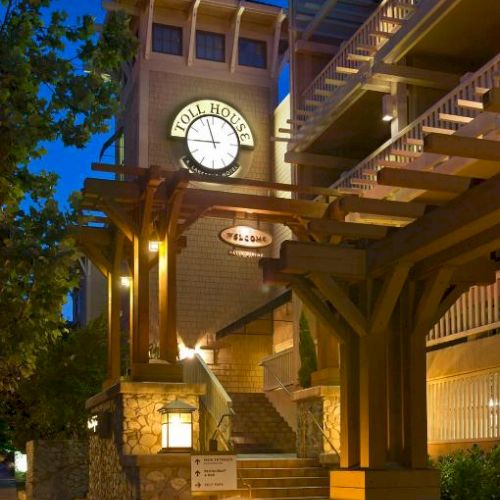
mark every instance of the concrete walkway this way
{"type": "Point", "coordinates": [7, 484]}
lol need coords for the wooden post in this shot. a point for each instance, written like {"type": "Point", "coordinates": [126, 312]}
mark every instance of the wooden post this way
{"type": "Point", "coordinates": [167, 296]}
{"type": "Point", "coordinates": [349, 402]}
{"type": "Point", "coordinates": [140, 351]}
{"type": "Point", "coordinates": [114, 301]}
{"type": "Point", "coordinates": [373, 400]}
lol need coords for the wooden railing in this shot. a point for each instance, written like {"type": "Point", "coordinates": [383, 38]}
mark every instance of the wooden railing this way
{"type": "Point", "coordinates": [217, 401]}
{"type": "Point", "coordinates": [476, 311]}
{"type": "Point", "coordinates": [281, 366]}
{"type": "Point", "coordinates": [464, 408]}
{"type": "Point", "coordinates": [447, 116]}
{"type": "Point", "coordinates": [361, 48]}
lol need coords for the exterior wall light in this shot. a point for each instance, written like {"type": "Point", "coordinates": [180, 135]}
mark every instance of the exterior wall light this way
{"type": "Point", "coordinates": [125, 281]}
{"type": "Point", "coordinates": [154, 246]}
{"type": "Point", "coordinates": [388, 108]}
{"type": "Point", "coordinates": [176, 427]}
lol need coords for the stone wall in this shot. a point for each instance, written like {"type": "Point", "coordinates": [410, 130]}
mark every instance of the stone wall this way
{"type": "Point", "coordinates": [57, 470]}
{"type": "Point", "coordinates": [125, 464]}
{"type": "Point", "coordinates": [324, 404]}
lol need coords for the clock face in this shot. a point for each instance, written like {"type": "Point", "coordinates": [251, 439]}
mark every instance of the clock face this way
{"type": "Point", "coordinates": [213, 144]}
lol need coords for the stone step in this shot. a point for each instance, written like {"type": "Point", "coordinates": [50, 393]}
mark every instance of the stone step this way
{"type": "Point", "coordinates": [259, 472]}
{"type": "Point", "coordinates": [284, 482]}
{"type": "Point", "coordinates": [302, 492]}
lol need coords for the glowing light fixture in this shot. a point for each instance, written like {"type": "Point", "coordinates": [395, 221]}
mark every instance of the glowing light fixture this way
{"type": "Point", "coordinates": [154, 241]}
{"type": "Point", "coordinates": [388, 108]}
{"type": "Point", "coordinates": [125, 281]}
{"type": "Point", "coordinates": [176, 426]}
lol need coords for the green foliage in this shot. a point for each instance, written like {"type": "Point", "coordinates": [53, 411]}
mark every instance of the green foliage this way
{"type": "Point", "coordinates": [36, 262]}
{"type": "Point", "coordinates": [48, 93]}
{"type": "Point", "coordinates": [57, 82]}
{"type": "Point", "coordinates": [50, 403]}
{"type": "Point", "coordinates": [470, 474]}
{"type": "Point", "coordinates": [307, 350]}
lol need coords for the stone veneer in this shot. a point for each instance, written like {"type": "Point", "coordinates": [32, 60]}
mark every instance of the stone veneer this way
{"type": "Point", "coordinates": [56, 469]}
{"type": "Point", "coordinates": [126, 465]}
{"type": "Point", "coordinates": [324, 404]}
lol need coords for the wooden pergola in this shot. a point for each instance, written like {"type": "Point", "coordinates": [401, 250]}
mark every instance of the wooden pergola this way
{"type": "Point", "coordinates": [377, 287]}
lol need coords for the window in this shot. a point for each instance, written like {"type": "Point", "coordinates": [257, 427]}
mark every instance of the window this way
{"type": "Point", "coordinates": [211, 46]}
{"type": "Point", "coordinates": [167, 39]}
{"type": "Point", "coordinates": [252, 53]}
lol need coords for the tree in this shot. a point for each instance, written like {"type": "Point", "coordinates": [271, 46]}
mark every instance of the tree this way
{"type": "Point", "coordinates": [50, 403]}
{"type": "Point", "coordinates": [307, 351]}
{"type": "Point", "coordinates": [57, 82]}
{"type": "Point", "coordinates": [47, 93]}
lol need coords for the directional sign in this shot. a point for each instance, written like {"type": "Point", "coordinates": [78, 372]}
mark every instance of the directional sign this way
{"type": "Point", "coordinates": [213, 473]}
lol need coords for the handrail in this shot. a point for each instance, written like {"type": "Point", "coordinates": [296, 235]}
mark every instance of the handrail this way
{"type": "Point", "coordinates": [216, 400]}
{"type": "Point", "coordinates": [277, 361]}
{"type": "Point", "coordinates": [309, 412]}
{"type": "Point", "coordinates": [410, 139]}
{"type": "Point", "coordinates": [377, 23]}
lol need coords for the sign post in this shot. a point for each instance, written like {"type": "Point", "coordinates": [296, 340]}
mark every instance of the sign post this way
{"type": "Point", "coordinates": [211, 473]}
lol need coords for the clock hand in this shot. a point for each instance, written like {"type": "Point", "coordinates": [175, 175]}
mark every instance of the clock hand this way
{"type": "Point", "coordinates": [211, 135]}
{"type": "Point", "coordinates": [203, 140]}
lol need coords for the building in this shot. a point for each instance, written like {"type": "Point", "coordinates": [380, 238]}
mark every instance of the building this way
{"type": "Point", "coordinates": [369, 82]}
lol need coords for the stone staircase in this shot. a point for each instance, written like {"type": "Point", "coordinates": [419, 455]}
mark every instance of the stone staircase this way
{"type": "Point", "coordinates": [282, 478]}
{"type": "Point", "coordinates": [258, 427]}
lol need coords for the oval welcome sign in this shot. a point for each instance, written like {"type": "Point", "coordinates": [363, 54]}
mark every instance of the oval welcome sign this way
{"type": "Point", "coordinates": [246, 237]}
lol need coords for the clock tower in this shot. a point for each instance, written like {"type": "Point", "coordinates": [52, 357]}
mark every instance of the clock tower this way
{"type": "Point", "coordinates": [200, 96]}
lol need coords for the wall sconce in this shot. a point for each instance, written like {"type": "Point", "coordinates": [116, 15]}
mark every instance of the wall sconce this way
{"type": "Point", "coordinates": [388, 108]}
{"type": "Point", "coordinates": [176, 426]}
{"type": "Point", "coordinates": [154, 241]}
{"type": "Point", "coordinates": [125, 278]}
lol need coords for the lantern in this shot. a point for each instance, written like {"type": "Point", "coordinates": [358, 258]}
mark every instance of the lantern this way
{"type": "Point", "coordinates": [176, 426]}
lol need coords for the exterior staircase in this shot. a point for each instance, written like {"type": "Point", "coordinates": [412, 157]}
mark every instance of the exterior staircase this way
{"type": "Point", "coordinates": [282, 478]}
{"type": "Point", "coordinates": [257, 427]}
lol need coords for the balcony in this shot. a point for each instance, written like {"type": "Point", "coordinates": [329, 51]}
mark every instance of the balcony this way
{"type": "Point", "coordinates": [419, 43]}
{"type": "Point", "coordinates": [460, 112]}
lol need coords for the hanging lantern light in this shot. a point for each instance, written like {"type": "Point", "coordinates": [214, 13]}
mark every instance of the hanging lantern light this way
{"type": "Point", "coordinates": [154, 240]}
{"type": "Point", "coordinates": [125, 278]}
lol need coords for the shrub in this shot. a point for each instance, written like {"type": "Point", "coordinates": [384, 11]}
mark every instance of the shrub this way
{"type": "Point", "coordinates": [307, 350]}
{"type": "Point", "coordinates": [470, 474]}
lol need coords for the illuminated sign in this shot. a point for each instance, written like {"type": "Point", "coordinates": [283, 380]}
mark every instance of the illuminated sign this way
{"type": "Point", "coordinates": [245, 237]}
{"type": "Point", "coordinates": [214, 133]}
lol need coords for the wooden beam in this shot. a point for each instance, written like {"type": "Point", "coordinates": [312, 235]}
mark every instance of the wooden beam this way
{"type": "Point", "coordinates": [99, 236]}
{"type": "Point", "coordinates": [465, 147]}
{"type": "Point", "coordinates": [236, 35]}
{"type": "Point", "coordinates": [491, 100]}
{"type": "Point", "coordinates": [415, 76]}
{"type": "Point", "coordinates": [388, 296]}
{"type": "Point", "coordinates": [304, 291]}
{"type": "Point", "coordinates": [303, 257]}
{"type": "Point", "coordinates": [271, 274]}
{"type": "Point", "coordinates": [120, 218]}
{"type": "Point", "coordinates": [323, 161]}
{"type": "Point", "coordinates": [193, 14]}
{"type": "Point", "coordinates": [318, 18]}
{"type": "Point", "coordinates": [236, 202]}
{"type": "Point", "coordinates": [429, 181]}
{"type": "Point", "coordinates": [149, 29]}
{"type": "Point", "coordinates": [338, 297]}
{"type": "Point", "coordinates": [471, 213]}
{"type": "Point", "coordinates": [353, 204]}
{"type": "Point", "coordinates": [467, 250]}
{"type": "Point", "coordinates": [347, 230]}
{"type": "Point", "coordinates": [96, 256]}
{"type": "Point", "coordinates": [275, 62]}
{"type": "Point", "coordinates": [152, 183]}
{"type": "Point", "coordinates": [115, 190]}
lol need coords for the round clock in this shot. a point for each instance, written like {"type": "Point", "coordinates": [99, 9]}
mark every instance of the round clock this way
{"type": "Point", "coordinates": [213, 145]}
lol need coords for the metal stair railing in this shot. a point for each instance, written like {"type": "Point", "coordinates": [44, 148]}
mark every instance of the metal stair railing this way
{"type": "Point", "coordinates": [309, 412]}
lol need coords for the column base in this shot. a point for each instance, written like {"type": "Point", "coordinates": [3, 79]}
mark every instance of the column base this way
{"type": "Point", "coordinates": [407, 484]}
{"type": "Point", "coordinates": [156, 372]}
